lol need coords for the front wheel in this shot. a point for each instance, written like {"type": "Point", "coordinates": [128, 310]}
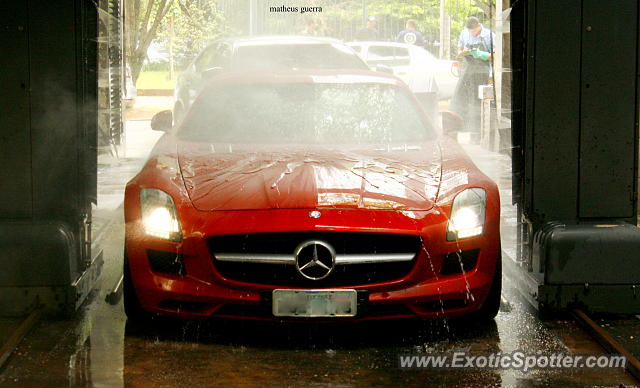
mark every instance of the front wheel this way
{"type": "Point", "coordinates": [132, 307]}
{"type": "Point", "coordinates": [491, 305]}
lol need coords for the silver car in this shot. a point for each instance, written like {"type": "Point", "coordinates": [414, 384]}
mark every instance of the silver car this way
{"type": "Point", "coordinates": [272, 52]}
{"type": "Point", "coordinates": [417, 67]}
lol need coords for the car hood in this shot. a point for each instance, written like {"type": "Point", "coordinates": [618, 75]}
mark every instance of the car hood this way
{"type": "Point", "coordinates": [224, 177]}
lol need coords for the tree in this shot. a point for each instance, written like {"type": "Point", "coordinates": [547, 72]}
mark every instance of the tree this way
{"type": "Point", "coordinates": [427, 12]}
{"type": "Point", "coordinates": [488, 7]}
{"type": "Point", "coordinates": [189, 26]}
{"type": "Point", "coordinates": [141, 26]}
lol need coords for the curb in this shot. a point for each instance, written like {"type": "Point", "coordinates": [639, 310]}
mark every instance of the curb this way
{"type": "Point", "coordinates": [155, 92]}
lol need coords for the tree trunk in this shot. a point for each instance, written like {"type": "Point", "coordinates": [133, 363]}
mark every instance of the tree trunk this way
{"type": "Point", "coordinates": [143, 33]}
{"type": "Point", "coordinates": [487, 6]}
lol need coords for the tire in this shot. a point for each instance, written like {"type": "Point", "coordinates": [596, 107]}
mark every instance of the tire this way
{"type": "Point", "coordinates": [132, 307]}
{"type": "Point", "coordinates": [491, 305]}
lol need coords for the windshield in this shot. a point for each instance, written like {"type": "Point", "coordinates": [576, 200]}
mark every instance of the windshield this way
{"type": "Point", "coordinates": [296, 56]}
{"type": "Point", "coordinates": [305, 114]}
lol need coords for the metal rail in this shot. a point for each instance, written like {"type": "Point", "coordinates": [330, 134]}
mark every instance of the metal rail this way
{"type": "Point", "coordinates": [14, 340]}
{"type": "Point", "coordinates": [607, 342]}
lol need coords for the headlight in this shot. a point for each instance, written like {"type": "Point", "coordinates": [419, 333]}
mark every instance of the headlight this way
{"type": "Point", "coordinates": [467, 214]}
{"type": "Point", "coordinates": [159, 215]}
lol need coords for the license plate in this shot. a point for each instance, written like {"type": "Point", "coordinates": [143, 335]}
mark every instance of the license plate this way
{"type": "Point", "coordinates": [314, 303]}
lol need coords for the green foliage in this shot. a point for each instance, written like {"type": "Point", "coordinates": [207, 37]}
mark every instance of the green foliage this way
{"type": "Point", "coordinates": [141, 27]}
{"type": "Point", "coordinates": [189, 26]}
{"type": "Point", "coordinates": [155, 80]}
{"type": "Point", "coordinates": [186, 24]}
{"type": "Point", "coordinates": [459, 11]}
{"type": "Point", "coordinates": [155, 66]}
{"type": "Point", "coordinates": [425, 12]}
{"type": "Point", "coordinates": [421, 10]}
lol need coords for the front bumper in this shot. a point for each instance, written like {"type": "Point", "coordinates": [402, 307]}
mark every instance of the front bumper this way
{"type": "Point", "coordinates": [200, 291]}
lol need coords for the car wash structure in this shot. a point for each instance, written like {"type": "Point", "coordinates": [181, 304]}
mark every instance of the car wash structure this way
{"type": "Point", "coordinates": [57, 109]}
{"type": "Point", "coordinates": [575, 156]}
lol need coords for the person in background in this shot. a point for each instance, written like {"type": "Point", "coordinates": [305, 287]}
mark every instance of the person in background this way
{"type": "Point", "coordinates": [475, 47]}
{"type": "Point", "coordinates": [410, 34]}
{"type": "Point", "coordinates": [311, 27]}
{"type": "Point", "coordinates": [475, 37]}
{"type": "Point", "coordinates": [368, 33]}
{"type": "Point", "coordinates": [321, 28]}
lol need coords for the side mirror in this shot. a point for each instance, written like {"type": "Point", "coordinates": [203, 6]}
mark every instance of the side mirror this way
{"type": "Point", "coordinates": [212, 72]}
{"type": "Point", "coordinates": [452, 123]}
{"type": "Point", "coordinates": [383, 69]}
{"type": "Point", "coordinates": [162, 121]}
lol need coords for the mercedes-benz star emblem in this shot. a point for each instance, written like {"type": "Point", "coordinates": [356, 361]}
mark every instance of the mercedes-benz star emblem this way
{"type": "Point", "coordinates": [315, 259]}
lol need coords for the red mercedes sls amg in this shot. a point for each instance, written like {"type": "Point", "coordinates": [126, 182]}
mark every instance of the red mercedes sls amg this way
{"type": "Point", "coordinates": [318, 195]}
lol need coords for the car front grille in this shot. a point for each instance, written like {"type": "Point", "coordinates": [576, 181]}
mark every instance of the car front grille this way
{"type": "Point", "coordinates": [269, 258]}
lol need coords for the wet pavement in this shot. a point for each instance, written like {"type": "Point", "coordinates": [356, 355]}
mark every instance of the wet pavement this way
{"type": "Point", "coordinates": [623, 329]}
{"type": "Point", "coordinates": [100, 349]}
{"type": "Point", "coordinates": [7, 327]}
